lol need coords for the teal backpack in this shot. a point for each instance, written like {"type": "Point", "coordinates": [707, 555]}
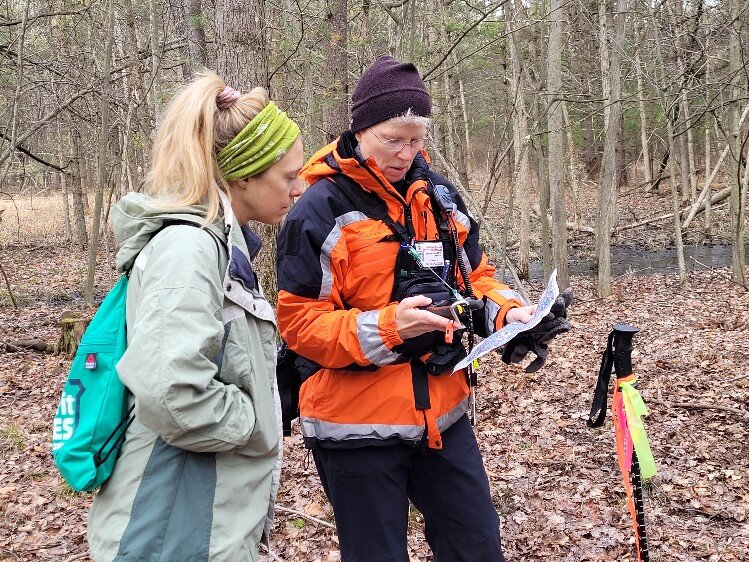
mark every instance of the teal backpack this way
{"type": "Point", "coordinates": [92, 417]}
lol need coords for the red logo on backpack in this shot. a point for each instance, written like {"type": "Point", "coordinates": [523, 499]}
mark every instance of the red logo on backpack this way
{"type": "Point", "coordinates": [90, 361]}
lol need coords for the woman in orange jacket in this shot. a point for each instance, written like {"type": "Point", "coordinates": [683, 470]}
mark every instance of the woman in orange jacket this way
{"type": "Point", "coordinates": [375, 239]}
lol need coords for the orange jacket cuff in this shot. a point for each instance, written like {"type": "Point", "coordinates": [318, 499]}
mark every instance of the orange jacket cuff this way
{"type": "Point", "coordinates": [500, 322]}
{"type": "Point", "coordinates": [388, 327]}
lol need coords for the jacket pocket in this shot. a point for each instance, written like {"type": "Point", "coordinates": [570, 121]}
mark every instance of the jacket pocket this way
{"type": "Point", "coordinates": [249, 363]}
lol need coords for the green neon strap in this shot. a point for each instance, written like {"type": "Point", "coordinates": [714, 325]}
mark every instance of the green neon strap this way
{"type": "Point", "coordinates": [635, 408]}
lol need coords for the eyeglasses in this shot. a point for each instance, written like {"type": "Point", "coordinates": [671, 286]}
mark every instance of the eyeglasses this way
{"type": "Point", "coordinates": [396, 145]}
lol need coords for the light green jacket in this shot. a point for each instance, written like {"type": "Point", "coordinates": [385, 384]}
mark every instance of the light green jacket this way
{"type": "Point", "coordinates": [197, 474]}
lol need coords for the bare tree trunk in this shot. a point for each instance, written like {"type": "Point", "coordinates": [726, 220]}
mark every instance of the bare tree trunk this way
{"type": "Point", "coordinates": [468, 155]}
{"type": "Point", "coordinates": [66, 228]}
{"type": "Point", "coordinates": [604, 49]}
{"type": "Point", "coordinates": [455, 146]}
{"type": "Point", "coordinates": [681, 121]}
{"type": "Point", "coordinates": [411, 7]}
{"type": "Point", "coordinates": [521, 144]}
{"type": "Point", "coordinates": [16, 97]}
{"type": "Point", "coordinates": [241, 44]}
{"type": "Point", "coordinates": [125, 152]}
{"type": "Point", "coordinates": [681, 125]}
{"type": "Point", "coordinates": [556, 145]}
{"type": "Point", "coordinates": [607, 195]}
{"type": "Point", "coordinates": [707, 226]}
{"type": "Point", "coordinates": [647, 166]}
{"type": "Point", "coordinates": [195, 32]}
{"type": "Point", "coordinates": [155, 57]}
{"type": "Point", "coordinates": [313, 114]}
{"type": "Point", "coordinates": [574, 166]}
{"type": "Point", "coordinates": [394, 32]}
{"type": "Point", "coordinates": [679, 243]}
{"type": "Point", "coordinates": [708, 209]}
{"type": "Point", "coordinates": [543, 199]}
{"type": "Point", "coordinates": [135, 88]}
{"type": "Point", "coordinates": [690, 152]}
{"type": "Point", "coordinates": [449, 122]}
{"type": "Point", "coordinates": [670, 122]}
{"type": "Point", "coordinates": [102, 156]}
{"type": "Point", "coordinates": [457, 125]}
{"type": "Point", "coordinates": [76, 181]}
{"type": "Point", "coordinates": [735, 63]}
{"type": "Point", "coordinates": [336, 111]}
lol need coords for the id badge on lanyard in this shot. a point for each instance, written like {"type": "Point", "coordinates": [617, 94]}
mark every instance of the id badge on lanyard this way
{"type": "Point", "coordinates": [431, 253]}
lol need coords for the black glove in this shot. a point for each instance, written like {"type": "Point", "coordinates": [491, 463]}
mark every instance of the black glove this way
{"type": "Point", "coordinates": [561, 304]}
{"type": "Point", "coordinates": [522, 344]}
{"type": "Point", "coordinates": [537, 338]}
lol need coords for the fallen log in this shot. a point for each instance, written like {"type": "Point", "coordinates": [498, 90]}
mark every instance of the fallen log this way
{"type": "Point", "coordinates": [691, 211]}
{"type": "Point", "coordinates": [34, 344]}
{"type": "Point", "coordinates": [580, 228]}
{"type": "Point", "coordinates": [701, 406]}
{"type": "Point", "coordinates": [716, 198]}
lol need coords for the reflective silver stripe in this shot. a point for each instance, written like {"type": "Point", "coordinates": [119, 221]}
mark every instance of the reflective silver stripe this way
{"type": "Point", "coordinates": [490, 314]}
{"type": "Point", "coordinates": [512, 295]}
{"type": "Point", "coordinates": [446, 420]}
{"type": "Point", "coordinates": [370, 340]}
{"type": "Point", "coordinates": [462, 219]}
{"type": "Point", "coordinates": [326, 286]}
{"type": "Point", "coordinates": [319, 429]}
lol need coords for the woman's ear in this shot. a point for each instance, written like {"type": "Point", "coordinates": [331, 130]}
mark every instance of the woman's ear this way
{"type": "Point", "coordinates": [239, 184]}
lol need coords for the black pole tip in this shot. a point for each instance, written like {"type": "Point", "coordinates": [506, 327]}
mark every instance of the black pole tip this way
{"type": "Point", "coordinates": [625, 329]}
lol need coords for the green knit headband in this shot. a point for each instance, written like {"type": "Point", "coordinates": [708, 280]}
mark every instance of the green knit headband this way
{"type": "Point", "coordinates": [258, 146]}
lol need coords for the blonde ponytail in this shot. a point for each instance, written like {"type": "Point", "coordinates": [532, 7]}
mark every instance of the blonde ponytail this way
{"type": "Point", "coordinates": [183, 160]}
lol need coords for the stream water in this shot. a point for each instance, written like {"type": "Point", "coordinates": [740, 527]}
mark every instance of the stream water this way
{"type": "Point", "coordinates": [644, 262]}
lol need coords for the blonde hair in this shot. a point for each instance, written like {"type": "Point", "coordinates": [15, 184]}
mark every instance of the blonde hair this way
{"type": "Point", "coordinates": [183, 168]}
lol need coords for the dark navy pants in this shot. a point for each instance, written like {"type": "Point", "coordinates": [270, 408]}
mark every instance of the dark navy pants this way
{"type": "Point", "coordinates": [370, 487]}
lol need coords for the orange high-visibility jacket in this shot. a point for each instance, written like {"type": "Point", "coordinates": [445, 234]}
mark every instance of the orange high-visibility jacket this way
{"type": "Point", "coordinates": [335, 279]}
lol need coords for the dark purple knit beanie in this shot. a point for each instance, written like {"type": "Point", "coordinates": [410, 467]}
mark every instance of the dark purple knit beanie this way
{"type": "Point", "coordinates": [387, 89]}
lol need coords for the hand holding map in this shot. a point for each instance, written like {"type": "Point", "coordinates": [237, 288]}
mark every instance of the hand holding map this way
{"type": "Point", "coordinates": [501, 337]}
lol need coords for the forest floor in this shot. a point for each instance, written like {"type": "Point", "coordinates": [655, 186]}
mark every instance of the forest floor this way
{"type": "Point", "coordinates": [555, 482]}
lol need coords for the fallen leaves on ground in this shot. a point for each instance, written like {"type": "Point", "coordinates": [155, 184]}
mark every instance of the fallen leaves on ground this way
{"type": "Point", "coordinates": [555, 482]}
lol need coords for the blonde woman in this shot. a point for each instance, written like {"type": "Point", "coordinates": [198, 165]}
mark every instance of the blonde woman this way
{"type": "Point", "coordinates": [197, 474]}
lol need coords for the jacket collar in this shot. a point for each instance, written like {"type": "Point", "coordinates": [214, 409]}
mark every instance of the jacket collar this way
{"type": "Point", "coordinates": [241, 285]}
{"type": "Point", "coordinates": [342, 156]}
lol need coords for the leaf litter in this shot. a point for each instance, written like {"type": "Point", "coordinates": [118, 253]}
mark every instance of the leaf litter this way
{"type": "Point", "coordinates": [555, 482]}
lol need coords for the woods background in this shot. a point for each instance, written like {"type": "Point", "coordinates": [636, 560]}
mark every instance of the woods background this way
{"type": "Point", "coordinates": [576, 130]}
{"type": "Point", "coordinates": [561, 101]}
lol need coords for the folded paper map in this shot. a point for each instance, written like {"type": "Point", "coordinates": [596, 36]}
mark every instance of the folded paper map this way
{"type": "Point", "coordinates": [498, 339]}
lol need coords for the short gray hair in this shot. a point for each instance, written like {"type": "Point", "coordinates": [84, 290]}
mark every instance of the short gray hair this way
{"type": "Point", "coordinates": [410, 118]}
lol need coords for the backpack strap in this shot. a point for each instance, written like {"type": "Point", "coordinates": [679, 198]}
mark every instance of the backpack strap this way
{"type": "Point", "coordinates": [442, 205]}
{"type": "Point", "coordinates": [369, 204]}
{"type": "Point", "coordinates": [115, 439]}
{"type": "Point", "coordinates": [167, 223]}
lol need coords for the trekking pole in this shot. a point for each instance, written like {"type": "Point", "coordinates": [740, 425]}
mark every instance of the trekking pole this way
{"type": "Point", "coordinates": [633, 450]}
